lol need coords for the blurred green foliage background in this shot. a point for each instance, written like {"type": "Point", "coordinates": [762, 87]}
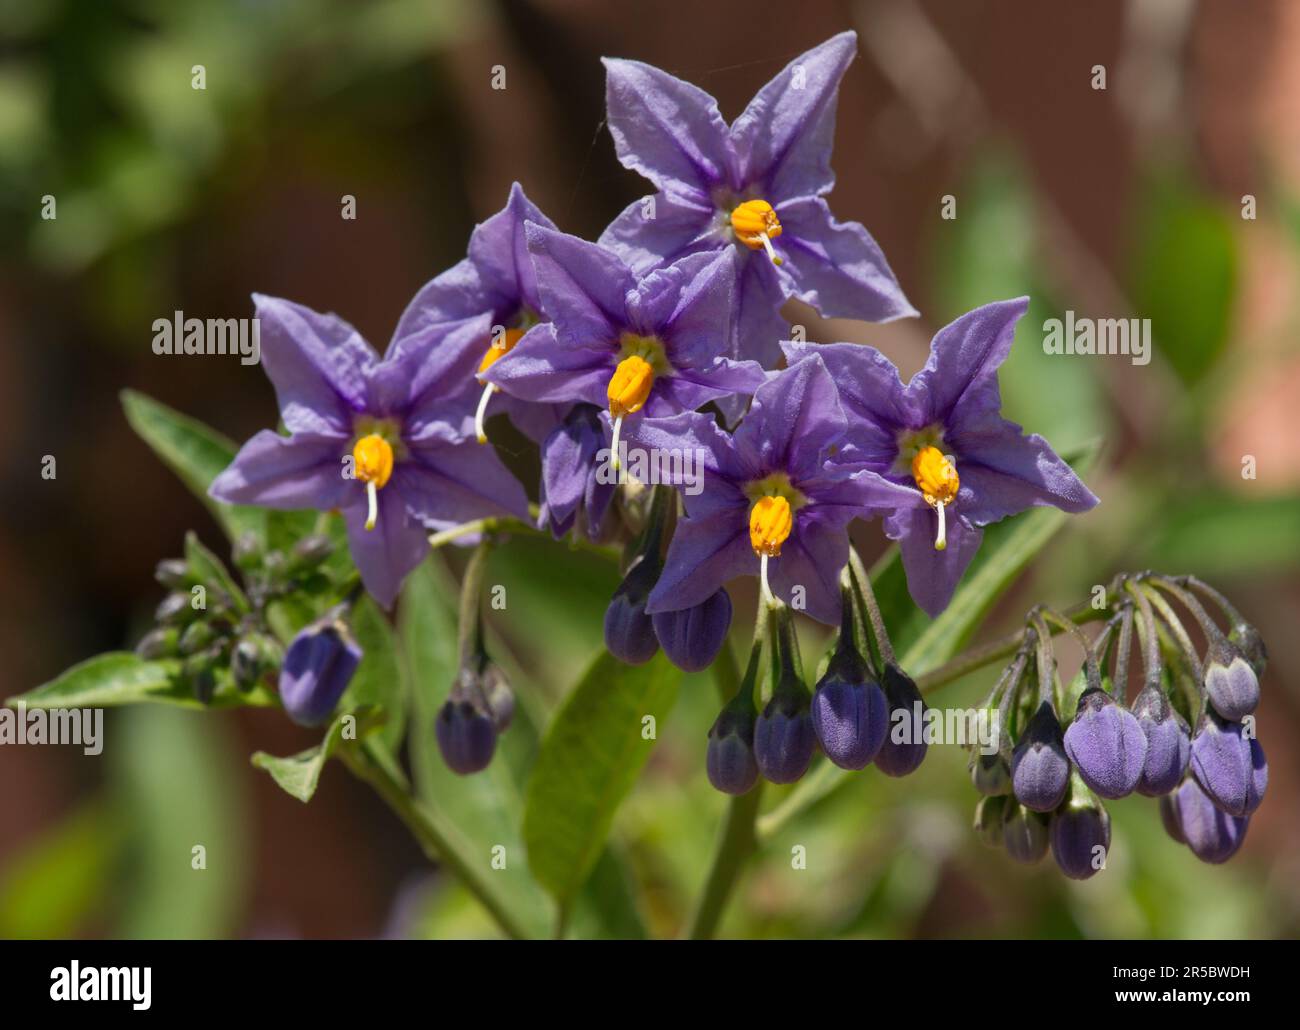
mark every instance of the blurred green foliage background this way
{"type": "Point", "coordinates": [1111, 203]}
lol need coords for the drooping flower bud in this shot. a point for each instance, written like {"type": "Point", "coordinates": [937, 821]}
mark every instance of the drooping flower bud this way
{"type": "Point", "coordinates": [692, 637]}
{"type": "Point", "coordinates": [1106, 744]}
{"type": "Point", "coordinates": [174, 610]}
{"type": "Point", "coordinates": [1169, 745]}
{"type": "Point", "coordinates": [1229, 765]}
{"type": "Point", "coordinates": [1025, 834]}
{"type": "Point", "coordinates": [1080, 833]}
{"type": "Point", "coordinates": [158, 643]}
{"type": "Point", "coordinates": [904, 746]}
{"type": "Point", "coordinates": [989, 814]}
{"type": "Point", "coordinates": [990, 773]}
{"type": "Point", "coordinates": [196, 637]}
{"type": "Point", "coordinates": [1230, 681]}
{"type": "Point", "coordinates": [730, 761]}
{"type": "Point", "coordinates": [1040, 770]}
{"type": "Point", "coordinates": [317, 668]}
{"type": "Point", "coordinates": [1213, 835]}
{"type": "Point", "coordinates": [849, 712]}
{"type": "Point", "coordinates": [1169, 817]}
{"type": "Point", "coordinates": [629, 630]}
{"type": "Point", "coordinates": [784, 740]}
{"type": "Point", "coordinates": [467, 735]}
{"type": "Point", "coordinates": [199, 670]}
{"type": "Point", "coordinates": [174, 574]}
{"type": "Point", "coordinates": [310, 551]}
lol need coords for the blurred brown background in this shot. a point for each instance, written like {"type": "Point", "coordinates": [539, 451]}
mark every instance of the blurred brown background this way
{"type": "Point", "coordinates": [1107, 202]}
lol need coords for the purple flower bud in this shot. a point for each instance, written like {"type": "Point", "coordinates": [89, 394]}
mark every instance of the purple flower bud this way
{"type": "Point", "coordinates": [1229, 766]}
{"type": "Point", "coordinates": [316, 670]}
{"type": "Point", "coordinates": [692, 637]}
{"type": "Point", "coordinates": [1106, 744]}
{"type": "Point", "coordinates": [1230, 682]}
{"type": "Point", "coordinates": [989, 814]}
{"type": "Point", "coordinates": [783, 735]}
{"type": "Point", "coordinates": [989, 774]}
{"type": "Point", "coordinates": [1025, 834]}
{"type": "Point", "coordinates": [902, 756]}
{"type": "Point", "coordinates": [629, 631]}
{"type": "Point", "coordinates": [1169, 818]}
{"type": "Point", "coordinates": [1081, 835]}
{"type": "Point", "coordinates": [467, 736]}
{"type": "Point", "coordinates": [1040, 770]}
{"type": "Point", "coordinates": [849, 712]}
{"type": "Point", "coordinates": [1212, 834]}
{"type": "Point", "coordinates": [730, 761]}
{"type": "Point", "coordinates": [1169, 745]}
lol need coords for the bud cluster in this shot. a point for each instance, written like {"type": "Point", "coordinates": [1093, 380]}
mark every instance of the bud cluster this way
{"type": "Point", "coordinates": [1187, 737]}
{"type": "Point", "coordinates": [848, 715]}
{"type": "Point", "coordinates": [219, 630]}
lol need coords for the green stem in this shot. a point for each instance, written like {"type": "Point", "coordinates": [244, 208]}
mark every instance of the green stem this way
{"type": "Point", "coordinates": [432, 833]}
{"type": "Point", "coordinates": [993, 651]}
{"type": "Point", "coordinates": [735, 844]}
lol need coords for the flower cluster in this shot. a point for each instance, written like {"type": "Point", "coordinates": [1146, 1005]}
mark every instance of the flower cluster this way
{"type": "Point", "coordinates": [1187, 737]}
{"type": "Point", "coordinates": [664, 339]}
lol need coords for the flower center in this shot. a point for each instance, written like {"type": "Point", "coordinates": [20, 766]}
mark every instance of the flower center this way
{"type": "Point", "coordinates": [642, 358]}
{"type": "Point", "coordinates": [756, 225]}
{"type": "Point", "coordinates": [502, 344]}
{"type": "Point", "coordinates": [372, 460]}
{"type": "Point", "coordinates": [770, 522]}
{"type": "Point", "coordinates": [936, 477]}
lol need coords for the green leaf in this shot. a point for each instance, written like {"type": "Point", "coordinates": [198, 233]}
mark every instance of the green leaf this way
{"type": "Point", "coordinates": [378, 679]}
{"type": "Point", "coordinates": [486, 809]}
{"type": "Point", "coordinates": [212, 573]}
{"type": "Point", "coordinates": [923, 644]}
{"type": "Point", "coordinates": [196, 453]}
{"type": "Point", "coordinates": [115, 678]}
{"type": "Point", "coordinates": [121, 678]}
{"type": "Point", "coordinates": [299, 775]}
{"type": "Point", "coordinates": [589, 760]}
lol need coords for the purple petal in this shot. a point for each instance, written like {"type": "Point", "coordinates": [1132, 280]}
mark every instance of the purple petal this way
{"type": "Point", "coordinates": [689, 389]}
{"type": "Point", "coordinates": [758, 325]}
{"type": "Point", "coordinates": [873, 397]}
{"type": "Point", "coordinates": [583, 286]}
{"type": "Point", "coordinates": [447, 485]}
{"type": "Point", "coordinates": [668, 130]}
{"type": "Point", "coordinates": [705, 553]}
{"type": "Point", "coordinates": [721, 467]}
{"type": "Point", "coordinates": [660, 228]}
{"type": "Point", "coordinates": [496, 279]}
{"type": "Point", "coordinates": [1006, 472]}
{"type": "Point", "coordinates": [794, 419]}
{"type": "Point", "coordinates": [963, 364]}
{"type": "Point", "coordinates": [688, 305]}
{"type": "Point", "coordinates": [783, 139]}
{"type": "Point", "coordinates": [317, 363]}
{"type": "Point", "coordinates": [421, 371]}
{"type": "Point", "coordinates": [386, 554]}
{"type": "Point", "coordinates": [569, 478]}
{"type": "Point", "coordinates": [544, 369]}
{"type": "Point", "coordinates": [836, 266]}
{"type": "Point", "coordinates": [932, 576]}
{"type": "Point", "coordinates": [300, 471]}
{"type": "Point", "coordinates": [811, 560]}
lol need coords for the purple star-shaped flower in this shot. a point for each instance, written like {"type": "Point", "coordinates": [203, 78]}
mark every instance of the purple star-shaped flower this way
{"type": "Point", "coordinates": [754, 187]}
{"type": "Point", "coordinates": [767, 497]}
{"type": "Point", "coordinates": [404, 421]}
{"type": "Point", "coordinates": [496, 279]}
{"type": "Point", "coordinates": [639, 346]}
{"type": "Point", "coordinates": [943, 435]}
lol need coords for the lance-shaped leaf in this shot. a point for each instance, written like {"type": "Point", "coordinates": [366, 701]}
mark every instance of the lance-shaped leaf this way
{"type": "Point", "coordinates": [299, 775]}
{"type": "Point", "coordinates": [589, 760]}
